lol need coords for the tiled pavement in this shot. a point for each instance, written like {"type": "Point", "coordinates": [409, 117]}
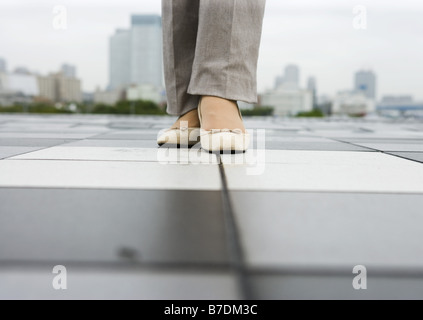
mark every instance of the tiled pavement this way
{"type": "Point", "coordinates": [289, 219]}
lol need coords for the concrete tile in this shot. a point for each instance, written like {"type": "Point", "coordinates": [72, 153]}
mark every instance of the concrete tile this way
{"type": "Point", "coordinates": [115, 285]}
{"type": "Point", "coordinates": [99, 226]}
{"type": "Point", "coordinates": [108, 175]}
{"type": "Point", "coordinates": [50, 135]}
{"type": "Point", "coordinates": [162, 155]}
{"type": "Point", "coordinates": [36, 128]}
{"type": "Point", "coordinates": [32, 142]}
{"type": "Point", "coordinates": [291, 138]}
{"type": "Point", "coordinates": [322, 146]}
{"type": "Point", "coordinates": [6, 152]}
{"type": "Point", "coordinates": [130, 135]}
{"type": "Point", "coordinates": [267, 139]}
{"type": "Point", "coordinates": [417, 156]}
{"type": "Point", "coordinates": [341, 135]}
{"type": "Point", "coordinates": [48, 130]}
{"type": "Point", "coordinates": [256, 157]}
{"type": "Point", "coordinates": [385, 141]}
{"type": "Point", "coordinates": [410, 147]}
{"type": "Point", "coordinates": [330, 230]}
{"type": "Point", "coordinates": [329, 171]}
{"type": "Point", "coordinates": [335, 287]}
{"type": "Point", "coordinates": [114, 143]}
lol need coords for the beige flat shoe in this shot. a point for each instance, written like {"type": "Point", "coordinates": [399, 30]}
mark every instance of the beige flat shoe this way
{"type": "Point", "coordinates": [183, 136]}
{"type": "Point", "coordinates": [221, 140]}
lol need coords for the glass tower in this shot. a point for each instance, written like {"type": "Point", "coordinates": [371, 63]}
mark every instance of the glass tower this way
{"type": "Point", "coordinates": [136, 54]}
{"type": "Point", "coordinates": [365, 81]}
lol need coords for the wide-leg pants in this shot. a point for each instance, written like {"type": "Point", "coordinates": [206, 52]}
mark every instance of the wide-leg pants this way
{"type": "Point", "coordinates": [210, 47]}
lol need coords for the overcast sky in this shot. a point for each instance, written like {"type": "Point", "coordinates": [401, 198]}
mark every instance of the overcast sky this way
{"type": "Point", "coordinates": [317, 35]}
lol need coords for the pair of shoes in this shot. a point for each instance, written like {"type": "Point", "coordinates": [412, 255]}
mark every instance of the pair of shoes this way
{"type": "Point", "coordinates": [223, 140]}
{"type": "Point", "coordinates": [178, 137]}
{"type": "Point", "coordinates": [215, 140]}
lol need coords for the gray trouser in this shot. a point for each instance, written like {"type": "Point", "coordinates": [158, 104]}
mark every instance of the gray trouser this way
{"type": "Point", "coordinates": [210, 47]}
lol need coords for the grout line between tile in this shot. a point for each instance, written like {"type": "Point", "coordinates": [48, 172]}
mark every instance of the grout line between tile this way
{"type": "Point", "coordinates": [401, 157]}
{"type": "Point", "coordinates": [341, 271]}
{"type": "Point", "coordinates": [389, 153]}
{"type": "Point", "coordinates": [236, 251]}
{"type": "Point", "coordinates": [128, 264]}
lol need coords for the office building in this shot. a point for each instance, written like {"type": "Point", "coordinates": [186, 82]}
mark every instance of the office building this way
{"type": "Point", "coordinates": [365, 82]}
{"type": "Point", "coordinates": [288, 100]}
{"type": "Point", "coordinates": [120, 59]}
{"type": "Point", "coordinates": [47, 87]}
{"type": "Point", "coordinates": [291, 77]}
{"type": "Point", "coordinates": [352, 103]}
{"type": "Point", "coordinates": [68, 89]}
{"type": "Point", "coordinates": [3, 65]}
{"type": "Point", "coordinates": [278, 81]}
{"type": "Point", "coordinates": [68, 70]}
{"type": "Point", "coordinates": [145, 92]}
{"type": "Point", "coordinates": [58, 88]}
{"type": "Point", "coordinates": [109, 97]}
{"type": "Point", "coordinates": [22, 70]}
{"type": "Point", "coordinates": [17, 88]}
{"type": "Point", "coordinates": [136, 54]}
{"type": "Point", "coordinates": [312, 87]}
{"type": "Point", "coordinates": [146, 50]}
{"type": "Point", "coordinates": [402, 104]}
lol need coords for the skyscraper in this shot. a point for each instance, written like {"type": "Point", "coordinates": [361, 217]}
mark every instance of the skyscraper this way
{"type": "Point", "coordinates": [146, 50]}
{"type": "Point", "coordinates": [120, 59]}
{"type": "Point", "coordinates": [278, 81]}
{"type": "Point", "coordinates": [68, 70]}
{"type": "Point", "coordinates": [136, 54]}
{"type": "Point", "coordinates": [292, 74]}
{"type": "Point", "coordinates": [311, 86]}
{"type": "Point", "coordinates": [365, 82]}
{"type": "Point", "coordinates": [290, 78]}
{"type": "Point", "coordinates": [3, 65]}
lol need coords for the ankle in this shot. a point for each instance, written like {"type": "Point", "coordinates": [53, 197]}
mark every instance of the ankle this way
{"type": "Point", "coordinates": [217, 102]}
{"type": "Point", "coordinates": [219, 113]}
{"type": "Point", "coordinates": [190, 118]}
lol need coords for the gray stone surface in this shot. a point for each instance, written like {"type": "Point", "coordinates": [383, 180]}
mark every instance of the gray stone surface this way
{"type": "Point", "coordinates": [403, 147]}
{"type": "Point", "coordinates": [130, 220]}
{"type": "Point", "coordinates": [114, 143]}
{"type": "Point", "coordinates": [333, 230]}
{"type": "Point", "coordinates": [101, 225]}
{"type": "Point", "coordinates": [322, 146]}
{"type": "Point", "coordinates": [417, 156]}
{"type": "Point", "coordinates": [6, 152]}
{"type": "Point", "coordinates": [33, 142]}
{"type": "Point", "coordinates": [335, 287]}
{"type": "Point", "coordinates": [118, 284]}
{"type": "Point", "coordinates": [145, 135]}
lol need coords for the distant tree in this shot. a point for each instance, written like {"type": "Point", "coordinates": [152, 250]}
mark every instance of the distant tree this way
{"type": "Point", "coordinates": [315, 113]}
{"type": "Point", "coordinates": [102, 108]}
{"type": "Point", "coordinates": [139, 107]}
{"type": "Point", "coordinates": [39, 107]}
{"type": "Point", "coordinates": [258, 111]}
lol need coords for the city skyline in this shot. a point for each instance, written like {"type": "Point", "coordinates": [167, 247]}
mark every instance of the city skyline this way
{"type": "Point", "coordinates": [319, 38]}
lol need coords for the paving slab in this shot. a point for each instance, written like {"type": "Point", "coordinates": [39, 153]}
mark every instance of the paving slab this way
{"type": "Point", "coordinates": [330, 230]}
{"type": "Point", "coordinates": [108, 175]}
{"type": "Point", "coordinates": [118, 285]}
{"type": "Point", "coordinates": [329, 171]}
{"type": "Point", "coordinates": [111, 226]}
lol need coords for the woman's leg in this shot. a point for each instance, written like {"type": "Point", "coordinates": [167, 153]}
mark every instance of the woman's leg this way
{"type": "Point", "coordinates": [180, 25]}
{"type": "Point", "coordinates": [227, 48]}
